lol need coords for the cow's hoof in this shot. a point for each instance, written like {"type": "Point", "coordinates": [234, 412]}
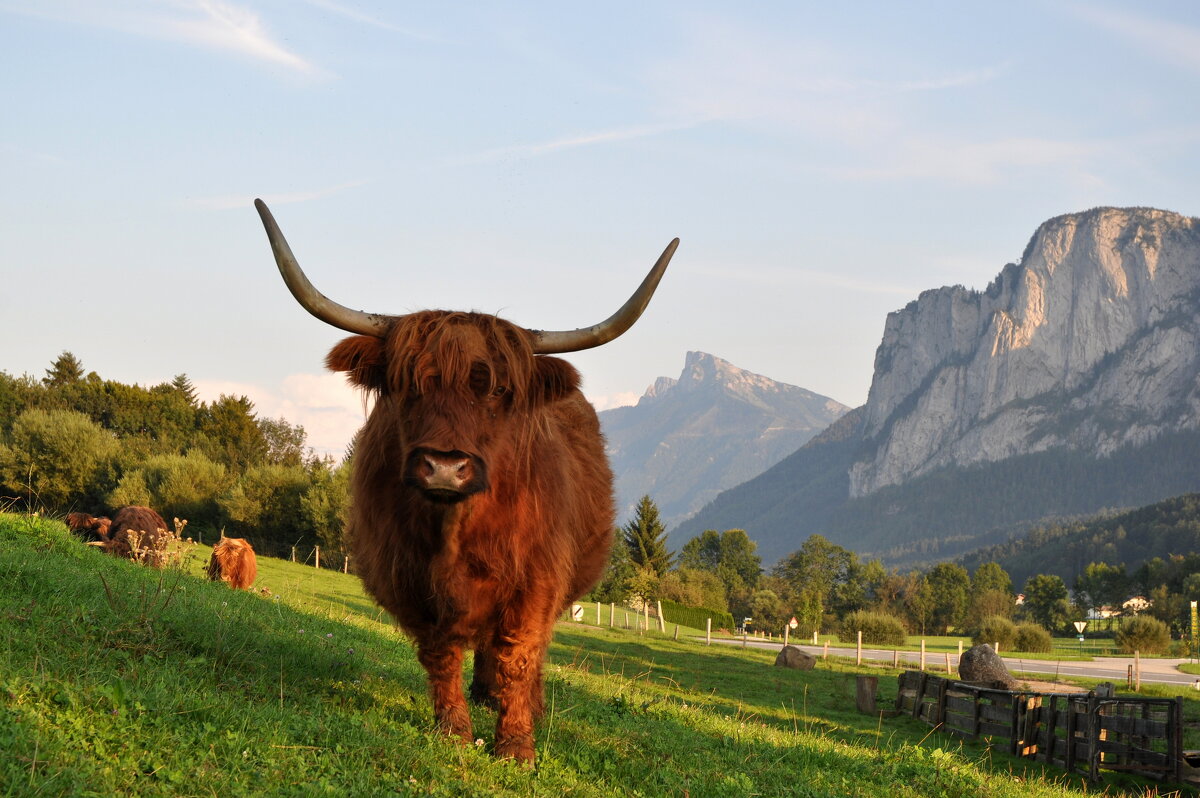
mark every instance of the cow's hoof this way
{"type": "Point", "coordinates": [519, 749]}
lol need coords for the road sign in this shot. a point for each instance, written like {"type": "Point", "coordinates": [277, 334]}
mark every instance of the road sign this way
{"type": "Point", "coordinates": [1080, 626]}
{"type": "Point", "coordinates": [793, 622]}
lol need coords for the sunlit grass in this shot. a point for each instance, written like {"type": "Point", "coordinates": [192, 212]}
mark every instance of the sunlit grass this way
{"type": "Point", "coordinates": [167, 684]}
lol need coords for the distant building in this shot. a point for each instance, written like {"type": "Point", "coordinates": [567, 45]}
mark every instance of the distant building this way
{"type": "Point", "coordinates": [1136, 604]}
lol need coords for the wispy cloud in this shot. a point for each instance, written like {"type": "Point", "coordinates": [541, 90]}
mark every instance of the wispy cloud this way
{"type": "Point", "coordinates": [573, 142]}
{"type": "Point", "coordinates": [328, 408]}
{"type": "Point", "coordinates": [241, 201]}
{"type": "Point", "coordinates": [755, 76]}
{"type": "Point", "coordinates": [975, 162]}
{"type": "Point", "coordinates": [780, 278]}
{"type": "Point", "coordinates": [375, 22]}
{"type": "Point", "coordinates": [209, 24]}
{"type": "Point", "coordinates": [1170, 41]}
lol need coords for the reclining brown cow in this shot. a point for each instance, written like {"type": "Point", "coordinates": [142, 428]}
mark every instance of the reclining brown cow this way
{"type": "Point", "coordinates": [136, 533]}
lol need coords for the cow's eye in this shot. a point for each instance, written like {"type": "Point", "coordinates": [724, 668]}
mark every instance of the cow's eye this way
{"type": "Point", "coordinates": [499, 392]}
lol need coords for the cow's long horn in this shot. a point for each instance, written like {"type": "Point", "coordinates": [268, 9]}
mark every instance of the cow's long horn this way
{"type": "Point", "coordinates": [549, 343]}
{"type": "Point", "coordinates": [316, 303]}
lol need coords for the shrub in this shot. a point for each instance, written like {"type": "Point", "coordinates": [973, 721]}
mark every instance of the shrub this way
{"type": "Point", "coordinates": [877, 628]}
{"type": "Point", "coordinates": [695, 617]}
{"type": "Point", "coordinates": [997, 629]}
{"type": "Point", "coordinates": [1145, 634]}
{"type": "Point", "coordinates": [1032, 638]}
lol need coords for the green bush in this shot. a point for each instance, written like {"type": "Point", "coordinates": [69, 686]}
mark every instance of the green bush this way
{"type": "Point", "coordinates": [1145, 634]}
{"type": "Point", "coordinates": [997, 629]}
{"type": "Point", "coordinates": [695, 617]}
{"type": "Point", "coordinates": [1033, 639]}
{"type": "Point", "coordinates": [57, 459]}
{"type": "Point", "coordinates": [877, 628]}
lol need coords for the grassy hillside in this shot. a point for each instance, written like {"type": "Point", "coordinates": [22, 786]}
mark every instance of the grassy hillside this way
{"type": "Point", "coordinates": [121, 680]}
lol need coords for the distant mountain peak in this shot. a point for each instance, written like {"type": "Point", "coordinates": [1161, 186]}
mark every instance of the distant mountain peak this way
{"type": "Point", "coordinates": [713, 427]}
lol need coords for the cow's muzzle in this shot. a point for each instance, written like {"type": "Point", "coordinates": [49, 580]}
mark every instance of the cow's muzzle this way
{"type": "Point", "coordinates": [445, 477]}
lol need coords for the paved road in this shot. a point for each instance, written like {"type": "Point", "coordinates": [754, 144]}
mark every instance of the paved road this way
{"type": "Point", "coordinates": [1113, 669]}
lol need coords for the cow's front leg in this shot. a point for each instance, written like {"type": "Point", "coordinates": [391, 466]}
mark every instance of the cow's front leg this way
{"type": "Point", "coordinates": [516, 674]}
{"type": "Point", "coordinates": [443, 662]}
{"type": "Point", "coordinates": [518, 655]}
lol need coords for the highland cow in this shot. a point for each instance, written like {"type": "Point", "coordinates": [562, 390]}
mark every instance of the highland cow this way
{"type": "Point", "coordinates": [89, 527]}
{"type": "Point", "coordinates": [482, 497]}
{"type": "Point", "coordinates": [233, 561]}
{"type": "Point", "coordinates": [137, 533]}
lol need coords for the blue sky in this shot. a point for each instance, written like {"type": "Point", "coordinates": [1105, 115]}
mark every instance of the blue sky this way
{"type": "Point", "coordinates": [821, 163]}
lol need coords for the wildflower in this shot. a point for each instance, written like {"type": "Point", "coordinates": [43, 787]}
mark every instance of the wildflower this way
{"type": "Point", "coordinates": [301, 631]}
{"type": "Point", "coordinates": [479, 742]}
{"type": "Point", "coordinates": [349, 651]}
{"type": "Point", "coordinates": [329, 636]}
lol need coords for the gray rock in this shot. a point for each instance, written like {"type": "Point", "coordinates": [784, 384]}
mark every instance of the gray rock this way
{"type": "Point", "coordinates": [983, 665]}
{"type": "Point", "coordinates": [1096, 322]}
{"type": "Point", "coordinates": [792, 657]}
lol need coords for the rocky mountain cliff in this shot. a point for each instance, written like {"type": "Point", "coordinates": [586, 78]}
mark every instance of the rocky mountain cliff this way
{"type": "Point", "coordinates": [690, 438]}
{"type": "Point", "coordinates": [1091, 343]}
{"type": "Point", "coordinates": [1071, 384]}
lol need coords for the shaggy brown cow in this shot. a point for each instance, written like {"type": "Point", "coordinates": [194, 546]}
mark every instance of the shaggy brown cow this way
{"type": "Point", "coordinates": [483, 500]}
{"type": "Point", "coordinates": [88, 526]}
{"type": "Point", "coordinates": [137, 533]}
{"type": "Point", "coordinates": [233, 561]}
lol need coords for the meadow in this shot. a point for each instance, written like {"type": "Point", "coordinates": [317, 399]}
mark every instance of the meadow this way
{"type": "Point", "coordinates": [118, 679]}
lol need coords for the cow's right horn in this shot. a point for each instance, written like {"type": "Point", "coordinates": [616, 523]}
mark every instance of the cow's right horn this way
{"type": "Point", "coordinates": [312, 300]}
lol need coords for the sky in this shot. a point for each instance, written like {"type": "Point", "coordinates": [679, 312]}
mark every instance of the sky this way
{"type": "Point", "coordinates": [821, 163]}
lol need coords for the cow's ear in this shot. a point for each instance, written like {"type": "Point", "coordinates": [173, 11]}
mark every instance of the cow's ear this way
{"type": "Point", "coordinates": [554, 379]}
{"type": "Point", "coordinates": [361, 357]}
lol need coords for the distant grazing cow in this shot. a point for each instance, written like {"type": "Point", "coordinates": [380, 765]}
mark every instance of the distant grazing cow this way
{"type": "Point", "coordinates": [88, 526]}
{"type": "Point", "coordinates": [483, 501]}
{"type": "Point", "coordinates": [137, 533]}
{"type": "Point", "coordinates": [233, 561]}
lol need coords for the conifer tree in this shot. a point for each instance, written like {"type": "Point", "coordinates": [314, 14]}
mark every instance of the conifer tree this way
{"type": "Point", "coordinates": [65, 370]}
{"type": "Point", "coordinates": [184, 385]}
{"type": "Point", "coordinates": [645, 537]}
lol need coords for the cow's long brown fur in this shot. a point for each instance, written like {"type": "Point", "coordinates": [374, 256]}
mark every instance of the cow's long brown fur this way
{"type": "Point", "coordinates": [137, 533]}
{"type": "Point", "coordinates": [491, 572]}
{"type": "Point", "coordinates": [88, 526]}
{"type": "Point", "coordinates": [233, 561]}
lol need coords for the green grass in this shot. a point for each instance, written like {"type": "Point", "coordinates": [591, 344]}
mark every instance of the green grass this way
{"type": "Point", "coordinates": [118, 679]}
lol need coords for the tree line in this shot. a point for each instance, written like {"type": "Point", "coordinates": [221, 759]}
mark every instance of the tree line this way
{"type": "Point", "coordinates": [72, 440]}
{"type": "Point", "coordinates": [825, 586]}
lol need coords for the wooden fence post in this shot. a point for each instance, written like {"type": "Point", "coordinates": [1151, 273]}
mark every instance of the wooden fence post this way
{"type": "Point", "coordinates": [662, 623]}
{"type": "Point", "coordinates": [676, 632]}
{"type": "Point", "coordinates": [612, 614]}
{"type": "Point", "coordinates": [708, 631]}
{"type": "Point", "coordinates": [922, 655]}
{"type": "Point", "coordinates": [293, 553]}
{"type": "Point", "coordinates": [948, 669]}
{"type": "Point", "coordinates": [317, 552]}
{"type": "Point", "coordinates": [858, 657]}
{"type": "Point", "coordinates": [895, 658]}
{"type": "Point", "coordinates": [346, 564]}
{"type": "Point", "coordinates": [785, 635]}
{"type": "Point", "coordinates": [826, 654]}
{"type": "Point", "coordinates": [864, 696]}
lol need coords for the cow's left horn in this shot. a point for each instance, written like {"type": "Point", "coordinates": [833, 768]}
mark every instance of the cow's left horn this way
{"type": "Point", "coordinates": [549, 343]}
{"type": "Point", "coordinates": [316, 303]}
